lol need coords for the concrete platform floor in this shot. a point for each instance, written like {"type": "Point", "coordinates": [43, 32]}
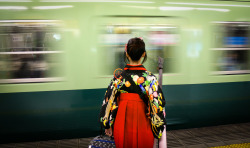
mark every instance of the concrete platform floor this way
{"type": "Point", "coordinates": [185, 138]}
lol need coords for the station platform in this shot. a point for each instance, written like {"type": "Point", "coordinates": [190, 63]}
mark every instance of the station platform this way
{"type": "Point", "coordinates": [222, 136]}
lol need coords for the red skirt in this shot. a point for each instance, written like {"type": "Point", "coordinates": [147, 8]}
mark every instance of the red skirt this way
{"type": "Point", "coordinates": [132, 128]}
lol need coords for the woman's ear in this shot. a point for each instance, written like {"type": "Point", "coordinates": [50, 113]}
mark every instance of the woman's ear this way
{"type": "Point", "coordinates": [127, 55]}
{"type": "Point", "coordinates": [144, 53]}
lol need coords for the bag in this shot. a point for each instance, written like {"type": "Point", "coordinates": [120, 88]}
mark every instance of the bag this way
{"type": "Point", "coordinates": [102, 142]}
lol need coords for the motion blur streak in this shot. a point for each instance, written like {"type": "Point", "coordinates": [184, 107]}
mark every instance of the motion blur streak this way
{"type": "Point", "coordinates": [13, 8]}
{"type": "Point", "coordinates": [50, 7]}
{"type": "Point", "coordinates": [15, 0]}
{"type": "Point", "coordinates": [190, 8]}
{"type": "Point", "coordinates": [94, 1]}
{"type": "Point", "coordinates": [200, 4]}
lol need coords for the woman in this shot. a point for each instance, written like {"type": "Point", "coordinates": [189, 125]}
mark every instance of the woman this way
{"type": "Point", "coordinates": [134, 119]}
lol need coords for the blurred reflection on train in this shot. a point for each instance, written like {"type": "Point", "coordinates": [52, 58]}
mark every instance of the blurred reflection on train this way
{"type": "Point", "coordinates": [28, 51]}
{"type": "Point", "coordinates": [161, 40]}
{"type": "Point", "coordinates": [233, 48]}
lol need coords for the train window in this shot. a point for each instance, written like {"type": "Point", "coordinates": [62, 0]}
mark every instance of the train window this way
{"type": "Point", "coordinates": [232, 48]}
{"type": "Point", "coordinates": [161, 40]}
{"type": "Point", "coordinates": [29, 51]}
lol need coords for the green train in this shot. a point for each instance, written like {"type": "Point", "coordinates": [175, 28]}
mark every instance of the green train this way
{"type": "Point", "coordinates": [57, 58]}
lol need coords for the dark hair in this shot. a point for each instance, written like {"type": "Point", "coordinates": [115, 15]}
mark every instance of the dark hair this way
{"type": "Point", "coordinates": [135, 49]}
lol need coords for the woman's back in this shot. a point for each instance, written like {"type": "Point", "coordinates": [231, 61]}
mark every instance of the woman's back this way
{"type": "Point", "coordinates": [134, 103]}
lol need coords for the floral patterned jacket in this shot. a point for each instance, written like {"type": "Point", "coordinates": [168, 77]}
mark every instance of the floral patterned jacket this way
{"type": "Point", "coordinates": [149, 86]}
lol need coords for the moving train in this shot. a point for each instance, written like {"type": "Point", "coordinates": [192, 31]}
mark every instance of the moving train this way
{"type": "Point", "coordinates": [57, 58]}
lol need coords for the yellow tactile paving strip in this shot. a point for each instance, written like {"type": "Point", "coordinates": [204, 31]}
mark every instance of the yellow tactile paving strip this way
{"type": "Point", "coordinates": [243, 145]}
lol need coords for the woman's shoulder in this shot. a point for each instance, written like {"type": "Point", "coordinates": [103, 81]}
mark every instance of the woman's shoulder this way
{"type": "Point", "coordinates": [120, 74]}
{"type": "Point", "coordinates": [149, 75]}
{"type": "Point", "coordinates": [143, 76]}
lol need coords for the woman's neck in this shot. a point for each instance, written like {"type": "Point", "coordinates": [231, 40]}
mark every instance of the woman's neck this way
{"type": "Point", "coordinates": [134, 62]}
{"type": "Point", "coordinates": [131, 62]}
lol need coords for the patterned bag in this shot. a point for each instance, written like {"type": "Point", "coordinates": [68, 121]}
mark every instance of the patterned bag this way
{"type": "Point", "coordinates": [102, 142]}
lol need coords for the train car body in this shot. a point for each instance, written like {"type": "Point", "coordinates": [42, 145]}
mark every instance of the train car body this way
{"type": "Point", "coordinates": [57, 58]}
